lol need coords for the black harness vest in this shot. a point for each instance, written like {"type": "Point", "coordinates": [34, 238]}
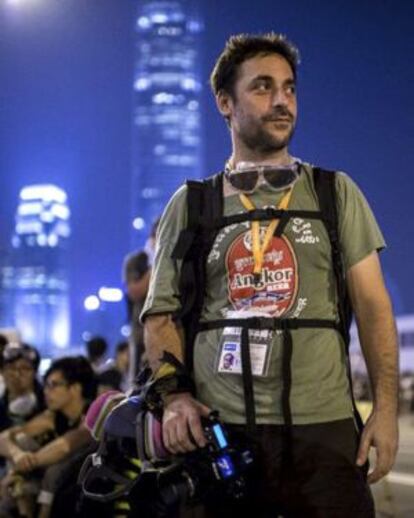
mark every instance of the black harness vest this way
{"type": "Point", "coordinates": [205, 219]}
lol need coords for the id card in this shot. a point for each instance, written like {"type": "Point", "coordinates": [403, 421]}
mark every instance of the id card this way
{"type": "Point", "coordinates": [230, 358]}
{"type": "Point", "coordinates": [260, 343]}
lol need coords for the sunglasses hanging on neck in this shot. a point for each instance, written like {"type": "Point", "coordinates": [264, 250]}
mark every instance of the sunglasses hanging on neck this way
{"type": "Point", "coordinates": [247, 176]}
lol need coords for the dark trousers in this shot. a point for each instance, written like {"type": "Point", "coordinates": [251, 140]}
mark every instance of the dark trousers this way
{"type": "Point", "coordinates": [307, 473]}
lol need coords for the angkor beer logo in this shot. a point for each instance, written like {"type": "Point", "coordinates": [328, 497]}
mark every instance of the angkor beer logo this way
{"type": "Point", "coordinates": [277, 288]}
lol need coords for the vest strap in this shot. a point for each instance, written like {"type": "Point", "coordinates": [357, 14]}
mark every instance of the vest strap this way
{"type": "Point", "coordinates": [263, 215]}
{"type": "Point", "coordinates": [269, 323]}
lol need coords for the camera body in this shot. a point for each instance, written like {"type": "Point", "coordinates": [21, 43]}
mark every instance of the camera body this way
{"type": "Point", "coordinates": [218, 468]}
{"type": "Point", "coordinates": [133, 432]}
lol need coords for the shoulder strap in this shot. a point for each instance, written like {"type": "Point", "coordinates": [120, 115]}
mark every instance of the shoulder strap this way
{"type": "Point", "coordinates": [325, 187]}
{"type": "Point", "coordinates": [186, 246]}
{"type": "Point", "coordinates": [204, 205]}
{"type": "Point", "coordinates": [324, 182]}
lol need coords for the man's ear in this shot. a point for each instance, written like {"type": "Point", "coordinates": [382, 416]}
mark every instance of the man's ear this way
{"type": "Point", "coordinates": [224, 104]}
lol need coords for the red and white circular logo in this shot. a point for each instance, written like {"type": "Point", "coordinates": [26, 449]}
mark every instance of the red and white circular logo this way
{"type": "Point", "coordinates": [276, 290]}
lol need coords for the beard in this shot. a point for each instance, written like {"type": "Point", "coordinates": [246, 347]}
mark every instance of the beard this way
{"type": "Point", "coordinates": [259, 139]}
{"type": "Point", "coordinates": [255, 134]}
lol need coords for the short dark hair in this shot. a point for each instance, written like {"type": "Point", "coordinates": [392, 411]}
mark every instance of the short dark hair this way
{"type": "Point", "coordinates": [121, 347]}
{"type": "Point", "coordinates": [240, 48]}
{"type": "Point", "coordinates": [96, 347]}
{"type": "Point", "coordinates": [136, 265]}
{"type": "Point", "coordinates": [76, 369]}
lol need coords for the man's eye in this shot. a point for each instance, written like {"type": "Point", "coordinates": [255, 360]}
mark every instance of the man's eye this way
{"type": "Point", "coordinates": [291, 89]}
{"type": "Point", "coordinates": [262, 86]}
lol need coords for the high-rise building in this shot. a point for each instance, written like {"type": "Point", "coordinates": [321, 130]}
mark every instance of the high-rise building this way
{"type": "Point", "coordinates": [167, 108]}
{"type": "Point", "coordinates": [34, 283]}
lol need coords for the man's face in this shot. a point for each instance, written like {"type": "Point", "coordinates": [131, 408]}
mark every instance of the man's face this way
{"type": "Point", "coordinates": [137, 289]}
{"type": "Point", "coordinates": [262, 110]}
{"type": "Point", "coordinates": [58, 392]}
{"type": "Point", "coordinates": [228, 361]}
{"type": "Point", "coordinates": [122, 360]}
{"type": "Point", "coordinates": [19, 376]}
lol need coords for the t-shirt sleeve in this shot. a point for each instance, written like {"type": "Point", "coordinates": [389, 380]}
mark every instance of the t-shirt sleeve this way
{"type": "Point", "coordinates": [359, 232]}
{"type": "Point", "coordinates": [163, 293]}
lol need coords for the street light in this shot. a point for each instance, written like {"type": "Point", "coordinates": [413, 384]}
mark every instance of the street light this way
{"type": "Point", "coordinates": [91, 303]}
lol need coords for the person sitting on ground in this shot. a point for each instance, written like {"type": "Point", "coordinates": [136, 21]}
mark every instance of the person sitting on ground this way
{"type": "Point", "coordinates": [116, 377]}
{"type": "Point", "coordinates": [57, 435]}
{"type": "Point", "coordinates": [23, 396]}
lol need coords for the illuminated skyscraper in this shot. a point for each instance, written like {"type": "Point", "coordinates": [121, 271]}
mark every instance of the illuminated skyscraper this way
{"type": "Point", "coordinates": [35, 292]}
{"type": "Point", "coordinates": [167, 120]}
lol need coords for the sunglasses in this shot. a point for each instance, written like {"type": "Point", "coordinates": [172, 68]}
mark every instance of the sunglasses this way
{"type": "Point", "coordinates": [15, 351]}
{"type": "Point", "coordinates": [247, 176]}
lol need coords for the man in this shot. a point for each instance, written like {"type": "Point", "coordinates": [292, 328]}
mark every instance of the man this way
{"type": "Point", "coordinates": [56, 434]}
{"type": "Point", "coordinates": [116, 377]}
{"type": "Point", "coordinates": [136, 272]}
{"type": "Point", "coordinates": [23, 397]}
{"type": "Point", "coordinates": [96, 350]}
{"type": "Point", "coordinates": [228, 360]}
{"type": "Point", "coordinates": [298, 412]}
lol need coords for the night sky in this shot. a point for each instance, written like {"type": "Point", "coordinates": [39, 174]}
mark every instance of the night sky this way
{"type": "Point", "coordinates": [65, 113]}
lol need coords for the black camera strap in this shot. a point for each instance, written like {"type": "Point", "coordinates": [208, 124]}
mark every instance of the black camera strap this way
{"type": "Point", "coordinates": [95, 469]}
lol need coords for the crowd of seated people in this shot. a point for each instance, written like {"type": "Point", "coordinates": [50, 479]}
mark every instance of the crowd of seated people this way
{"type": "Point", "coordinates": [43, 440]}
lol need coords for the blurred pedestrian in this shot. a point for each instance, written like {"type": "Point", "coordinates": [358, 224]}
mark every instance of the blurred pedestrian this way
{"type": "Point", "coordinates": [136, 275]}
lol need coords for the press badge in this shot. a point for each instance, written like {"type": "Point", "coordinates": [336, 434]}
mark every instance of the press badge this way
{"type": "Point", "coordinates": [260, 344]}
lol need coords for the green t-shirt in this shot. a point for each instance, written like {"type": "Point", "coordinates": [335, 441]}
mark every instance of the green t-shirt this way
{"type": "Point", "coordinates": [297, 280]}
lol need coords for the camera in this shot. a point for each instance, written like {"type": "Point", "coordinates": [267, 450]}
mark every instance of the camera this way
{"type": "Point", "coordinates": [132, 437]}
{"type": "Point", "coordinates": [217, 469]}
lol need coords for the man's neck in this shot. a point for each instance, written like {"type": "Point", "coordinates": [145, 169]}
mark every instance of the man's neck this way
{"type": "Point", "coordinates": [280, 157]}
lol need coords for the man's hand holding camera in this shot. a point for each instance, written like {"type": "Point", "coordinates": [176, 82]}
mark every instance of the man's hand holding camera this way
{"type": "Point", "coordinates": [181, 424]}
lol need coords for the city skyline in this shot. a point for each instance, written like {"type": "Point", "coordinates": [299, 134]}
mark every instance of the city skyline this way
{"type": "Point", "coordinates": [65, 116]}
{"type": "Point", "coordinates": [166, 144]}
{"type": "Point", "coordinates": [34, 281]}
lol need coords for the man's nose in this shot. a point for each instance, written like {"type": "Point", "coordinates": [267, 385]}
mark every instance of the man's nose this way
{"type": "Point", "coordinates": [279, 97]}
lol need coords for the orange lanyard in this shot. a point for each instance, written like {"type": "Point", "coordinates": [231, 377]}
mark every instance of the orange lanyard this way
{"type": "Point", "coordinates": [259, 250]}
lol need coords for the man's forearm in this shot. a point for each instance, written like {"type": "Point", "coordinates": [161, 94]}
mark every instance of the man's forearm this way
{"type": "Point", "coordinates": [162, 334]}
{"type": "Point", "coordinates": [8, 448]}
{"type": "Point", "coordinates": [52, 453]}
{"type": "Point", "coordinates": [378, 337]}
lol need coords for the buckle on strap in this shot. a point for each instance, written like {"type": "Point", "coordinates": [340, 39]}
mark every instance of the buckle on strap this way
{"type": "Point", "coordinates": [258, 323]}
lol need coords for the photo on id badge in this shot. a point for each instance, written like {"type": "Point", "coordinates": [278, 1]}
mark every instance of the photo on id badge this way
{"type": "Point", "coordinates": [229, 360]}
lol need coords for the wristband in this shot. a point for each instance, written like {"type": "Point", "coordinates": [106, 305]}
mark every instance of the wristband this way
{"type": "Point", "coordinates": [171, 378]}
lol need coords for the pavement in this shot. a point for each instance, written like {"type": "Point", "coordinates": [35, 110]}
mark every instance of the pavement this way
{"type": "Point", "coordinates": [394, 495]}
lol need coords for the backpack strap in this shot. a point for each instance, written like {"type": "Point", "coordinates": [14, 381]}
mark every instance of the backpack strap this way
{"type": "Point", "coordinates": [324, 182]}
{"type": "Point", "coordinates": [186, 247]}
{"type": "Point", "coordinates": [204, 206]}
{"type": "Point", "coordinates": [326, 191]}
